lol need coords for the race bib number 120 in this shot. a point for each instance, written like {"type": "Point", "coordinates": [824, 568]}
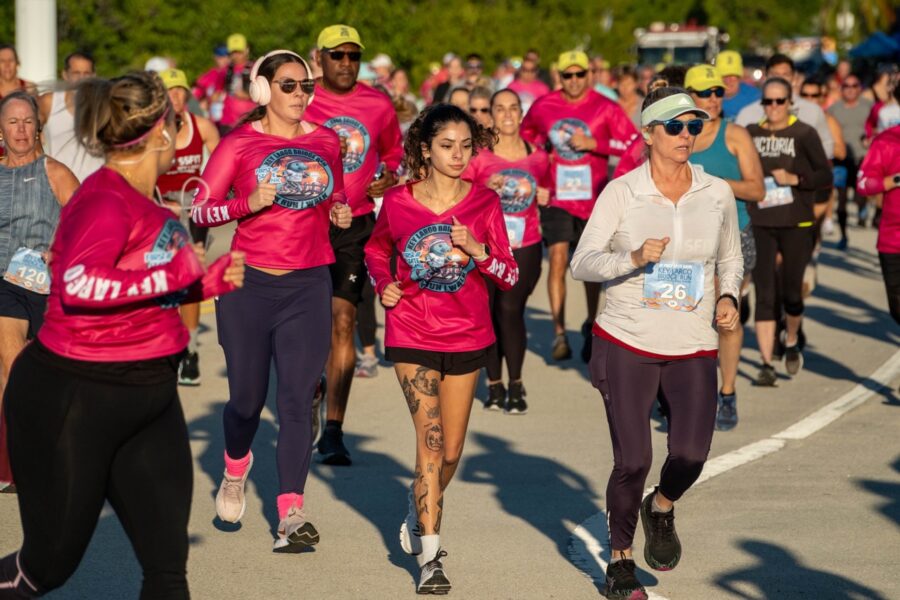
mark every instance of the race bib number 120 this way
{"type": "Point", "coordinates": [28, 270]}
{"type": "Point", "coordinates": [673, 286]}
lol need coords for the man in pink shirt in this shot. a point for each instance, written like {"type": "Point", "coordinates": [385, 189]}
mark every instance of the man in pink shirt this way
{"type": "Point", "coordinates": [371, 149]}
{"type": "Point", "coordinates": [582, 128]}
{"type": "Point", "coordinates": [527, 85]}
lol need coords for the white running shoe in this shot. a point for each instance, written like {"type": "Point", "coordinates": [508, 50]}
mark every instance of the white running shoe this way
{"type": "Point", "coordinates": [295, 533]}
{"type": "Point", "coordinates": [410, 537]}
{"type": "Point", "coordinates": [433, 580]}
{"type": "Point", "coordinates": [230, 500]}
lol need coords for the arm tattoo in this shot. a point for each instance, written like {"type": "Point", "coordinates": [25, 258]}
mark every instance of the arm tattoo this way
{"type": "Point", "coordinates": [410, 394]}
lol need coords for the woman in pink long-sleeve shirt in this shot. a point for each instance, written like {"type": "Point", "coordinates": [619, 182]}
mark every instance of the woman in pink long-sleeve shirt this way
{"type": "Point", "coordinates": [92, 403]}
{"type": "Point", "coordinates": [449, 235]}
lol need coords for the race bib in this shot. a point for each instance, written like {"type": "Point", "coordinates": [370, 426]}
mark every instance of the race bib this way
{"type": "Point", "coordinates": [515, 230]}
{"type": "Point", "coordinates": [28, 270]}
{"type": "Point", "coordinates": [776, 195]}
{"type": "Point", "coordinates": [673, 286]}
{"type": "Point", "coordinates": [573, 182]}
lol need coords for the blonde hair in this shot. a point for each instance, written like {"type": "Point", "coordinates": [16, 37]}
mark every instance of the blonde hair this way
{"type": "Point", "coordinates": [120, 112]}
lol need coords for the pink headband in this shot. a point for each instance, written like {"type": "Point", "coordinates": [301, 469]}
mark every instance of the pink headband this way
{"type": "Point", "coordinates": [140, 139]}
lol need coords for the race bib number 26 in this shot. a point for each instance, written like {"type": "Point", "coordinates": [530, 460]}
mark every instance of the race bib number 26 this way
{"type": "Point", "coordinates": [673, 286]}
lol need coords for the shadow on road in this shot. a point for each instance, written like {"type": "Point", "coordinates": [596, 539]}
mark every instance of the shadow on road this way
{"type": "Point", "coordinates": [778, 574]}
{"type": "Point", "coordinates": [539, 491]}
{"type": "Point", "coordinates": [375, 487]}
{"type": "Point", "coordinates": [539, 326]}
{"type": "Point", "coordinates": [889, 492]}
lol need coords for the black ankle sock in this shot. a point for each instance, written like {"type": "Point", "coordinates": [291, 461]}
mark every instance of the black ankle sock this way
{"type": "Point", "coordinates": [332, 426]}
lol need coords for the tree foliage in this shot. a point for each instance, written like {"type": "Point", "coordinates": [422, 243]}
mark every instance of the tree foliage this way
{"type": "Point", "coordinates": [123, 34]}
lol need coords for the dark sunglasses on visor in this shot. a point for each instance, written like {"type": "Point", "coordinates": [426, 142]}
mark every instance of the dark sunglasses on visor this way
{"type": "Point", "coordinates": [340, 54]}
{"type": "Point", "coordinates": [770, 101]}
{"type": "Point", "coordinates": [675, 127]}
{"type": "Point", "coordinates": [307, 86]}
{"type": "Point", "coordinates": [718, 91]}
{"type": "Point", "coordinates": [578, 74]}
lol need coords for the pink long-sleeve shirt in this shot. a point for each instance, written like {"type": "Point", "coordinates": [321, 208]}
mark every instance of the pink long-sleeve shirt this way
{"type": "Point", "coordinates": [578, 177]}
{"type": "Point", "coordinates": [366, 118]}
{"type": "Point", "coordinates": [293, 232]}
{"type": "Point", "coordinates": [120, 265]}
{"type": "Point", "coordinates": [445, 300]}
{"type": "Point", "coordinates": [521, 179]}
{"type": "Point", "coordinates": [883, 160]}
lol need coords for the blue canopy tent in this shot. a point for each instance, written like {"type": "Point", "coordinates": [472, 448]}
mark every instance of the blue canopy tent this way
{"type": "Point", "coordinates": [878, 45]}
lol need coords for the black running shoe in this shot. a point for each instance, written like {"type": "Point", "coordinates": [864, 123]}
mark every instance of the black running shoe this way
{"type": "Point", "coordinates": [766, 377]}
{"type": "Point", "coordinates": [622, 583]}
{"type": "Point", "coordinates": [332, 450]}
{"type": "Point", "coordinates": [588, 342]}
{"type": "Point", "coordinates": [662, 550]}
{"type": "Point", "coordinates": [515, 403]}
{"type": "Point", "coordinates": [189, 369]}
{"type": "Point", "coordinates": [433, 580]}
{"type": "Point", "coordinates": [496, 397]}
{"type": "Point", "coordinates": [561, 349]}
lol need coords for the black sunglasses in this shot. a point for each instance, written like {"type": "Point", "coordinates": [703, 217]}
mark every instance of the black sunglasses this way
{"type": "Point", "coordinates": [474, 110]}
{"type": "Point", "coordinates": [802, 95]}
{"type": "Point", "coordinates": [307, 86]}
{"type": "Point", "coordinates": [354, 56]}
{"type": "Point", "coordinates": [578, 74]}
{"type": "Point", "coordinates": [770, 101]}
{"type": "Point", "coordinates": [675, 127]}
{"type": "Point", "coordinates": [850, 85]}
{"type": "Point", "coordinates": [718, 91]}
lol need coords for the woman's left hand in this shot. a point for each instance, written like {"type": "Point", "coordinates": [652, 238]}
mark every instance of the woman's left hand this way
{"type": "Point", "coordinates": [727, 316]}
{"type": "Point", "coordinates": [463, 238]}
{"type": "Point", "coordinates": [341, 215]}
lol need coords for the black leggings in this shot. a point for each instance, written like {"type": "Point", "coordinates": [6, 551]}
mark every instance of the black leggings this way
{"type": "Point", "coordinates": [508, 311]}
{"type": "Point", "coordinates": [74, 442]}
{"type": "Point", "coordinates": [629, 384]}
{"type": "Point", "coordinates": [365, 316]}
{"type": "Point", "coordinates": [796, 246]}
{"type": "Point", "coordinates": [890, 268]}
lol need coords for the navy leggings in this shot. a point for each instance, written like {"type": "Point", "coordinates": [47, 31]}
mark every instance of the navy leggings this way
{"type": "Point", "coordinates": [287, 318]}
{"type": "Point", "coordinates": [630, 384]}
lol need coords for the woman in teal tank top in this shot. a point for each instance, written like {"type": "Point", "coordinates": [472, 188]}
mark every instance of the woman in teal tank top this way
{"type": "Point", "coordinates": [727, 151]}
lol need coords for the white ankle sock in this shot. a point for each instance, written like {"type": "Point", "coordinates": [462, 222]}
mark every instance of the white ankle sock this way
{"type": "Point", "coordinates": [430, 546]}
{"type": "Point", "coordinates": [655, 507]}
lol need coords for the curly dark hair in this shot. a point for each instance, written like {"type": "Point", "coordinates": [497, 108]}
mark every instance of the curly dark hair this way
{"type": "Point", "coordinates": [428, 124]}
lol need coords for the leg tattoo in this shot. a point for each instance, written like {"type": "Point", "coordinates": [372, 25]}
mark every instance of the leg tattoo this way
{"type": "Point", "coordinates": [410, 394]}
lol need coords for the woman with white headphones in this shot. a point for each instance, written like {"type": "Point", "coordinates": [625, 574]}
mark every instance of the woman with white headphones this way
{"type": "Point", "coordinates": [287, 179]}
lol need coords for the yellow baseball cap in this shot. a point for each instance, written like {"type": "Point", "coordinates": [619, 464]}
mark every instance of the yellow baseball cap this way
{"type": "Point", "coordinates": [729, 62]}
{"type": "Point", "coordinates": [335, 35]}
{"type": "Point", "coordinates": [236, 43]}
{"type": "Point", "coordinates": [702, 77]}
{"type": "Point", "coordinates": [174, 78]}
{"type": "Point", "coordinates": [572, 58]}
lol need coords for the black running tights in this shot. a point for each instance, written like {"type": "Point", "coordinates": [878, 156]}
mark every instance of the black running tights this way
{"type": "Point", "coordinates": [890, 268]}
{"type": "Point", "coordinates": [76, 442]}
{"type": "Point", "coordinates": [508, 309]}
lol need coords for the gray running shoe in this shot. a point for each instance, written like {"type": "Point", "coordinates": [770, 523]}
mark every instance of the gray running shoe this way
{"type": "Point", "coordinates": [295, 533]}
{"type": "Point", "coordinates": [366, 366]}
{"type": "Point", "coordinates": [726, 414]}
{"type": "Point", "coordinates": [793, 359]}
{"type": "Point", "coordinates": [230, 500]}
{"type": "Point", "coordinates": [561, 349]}
{"type": "Point", "coordinates": [433, 580]}
{"type": "Point", "coordinates": [410, 536]}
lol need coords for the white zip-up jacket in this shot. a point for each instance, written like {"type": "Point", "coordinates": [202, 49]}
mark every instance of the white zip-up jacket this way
{"type": "Point", "coordinates": [704, 235]}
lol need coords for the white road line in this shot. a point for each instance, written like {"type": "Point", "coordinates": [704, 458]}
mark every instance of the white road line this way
{"type": "Point", "coordinates": [587, 552]}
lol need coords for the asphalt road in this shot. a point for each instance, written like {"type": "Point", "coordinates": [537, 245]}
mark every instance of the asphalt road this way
{"type": "Point", "coordinates": [816, 518]}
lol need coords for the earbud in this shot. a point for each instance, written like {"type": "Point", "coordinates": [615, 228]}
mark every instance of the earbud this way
{"type": "Point", "coordinates": [167, 137]}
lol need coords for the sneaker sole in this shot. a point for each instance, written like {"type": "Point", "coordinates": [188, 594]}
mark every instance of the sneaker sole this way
{"type": "Point", "coordinates": [305, 537]}
{"type": "Point", "coordinates": [652, 562]}
{"type": "Point", "coordinates": [407, 541]}
{"type": "Point", "coordinates": [793, 369]}
{"type": "Point", "coordinates": [438, 585]}
{"type": "Point", "coordinates": [335, 460]}
{"type": "Point", "coordinates": [516, 411]}
{"type": "Point", "coordinates": [633, 595]}
{"type": "Point", "coordinates": [492, 407]}
{"type": "Point", "coordinates": [189, 382]}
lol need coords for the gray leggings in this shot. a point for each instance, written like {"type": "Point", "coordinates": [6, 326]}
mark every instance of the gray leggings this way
{"type": "Point", "coordinates": [630, 384]}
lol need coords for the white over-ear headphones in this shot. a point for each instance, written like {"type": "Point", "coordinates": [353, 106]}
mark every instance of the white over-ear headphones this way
{"type": "Point", "coordinates": [260, 87]}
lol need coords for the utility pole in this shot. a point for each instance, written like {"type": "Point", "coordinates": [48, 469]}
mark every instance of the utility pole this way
{"type": "Point", "coordinates": [36, 39]}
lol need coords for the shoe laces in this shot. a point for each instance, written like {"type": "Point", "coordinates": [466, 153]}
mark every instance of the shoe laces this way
{"type": "Point", "coordinates": [622, 572]}
{"type": "Point", "coordinates": [435, 563]}
{"type": "Point", "coordinates": [663, 525]}
{"type": "Point", "coordinates": [233, 489]}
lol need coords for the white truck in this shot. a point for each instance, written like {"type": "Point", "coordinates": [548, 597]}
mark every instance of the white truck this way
{"type": "Point", "coordinates": [677, 44]}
